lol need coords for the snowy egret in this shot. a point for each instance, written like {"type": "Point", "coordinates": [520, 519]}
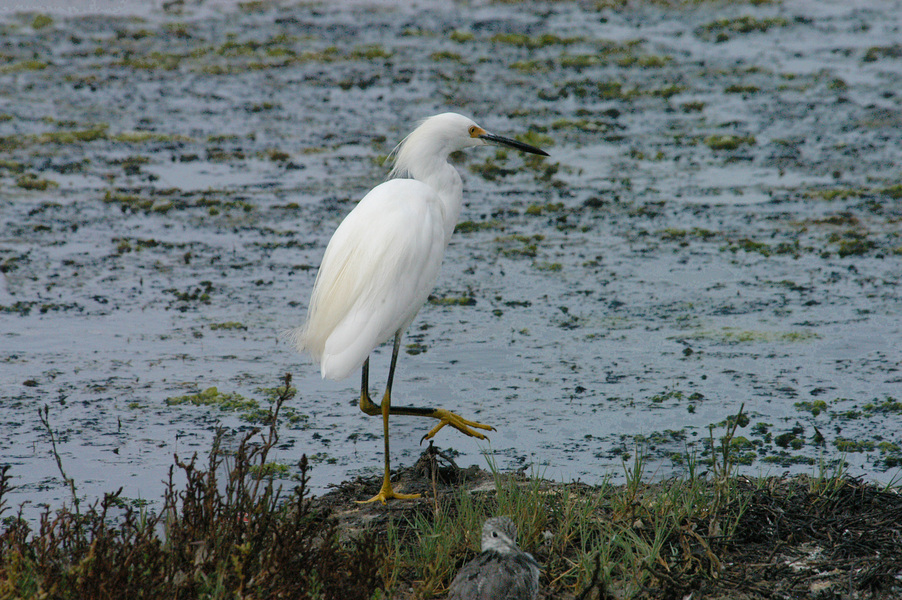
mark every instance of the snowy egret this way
{"type": "Point", "coordinates": [382, 262]}
{"type": "Point", "coordinates": [501, 571]}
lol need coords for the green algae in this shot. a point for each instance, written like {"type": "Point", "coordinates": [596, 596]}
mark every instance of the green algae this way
{"type": "Point", "coordinates": [140, 137]}
{"type": "Point", "coordinates": [534, 137]}
{"type": "Point", "coordinates": [875, 53]}
{"type": "Point", "coordinates": [645, 61]}
{"type": "Point", "coordinates": [490, 170]}
{"type": "Point", "coordinates": [452, 300]}
{"type": "Point", "coordinates": [740, 88]}
{"type": "Point", "coordinates": [125, 245]}
{"type": "Point", "coordinates": [791, 439]}
{"type": "Point", "coordinates": [786, 460]}
{"type": "Point", "coordinates": [548, 266]}
{"type": "Point", "coordinates": [535, 210]}
{"type": "Point", "coordinates": [532, 43]}
{"type": "Point", "coordinates": [248, 409]}
{"type": "Point", "coordinates": [888, 406]}
{"type": "Point", "coordinates": [731, 335]}
{"type": "Point", "coordinates": [30, 181]}
{"type": "Point", "coordinates": [276, 155]}
{"type": "Point", "coordinates": [227, 401]}
{"type": "Point", "coordinates": [370, 52]}
{"type": "Point", "coordinates": [415, 348]}
{"type": "Point", "coordinates": [199, 294]}
{"type": "Point", "coordinates": [815, 407]}
{"type": "Point", "coordinates": [673, 234]}
{"type": "Point", "coordinates": [665, 92]}
{"type": "Point", "coordinates": [610, 90]}
{"type": "Point", "coordinates": [228, 326]}
{"type": "Point", "coordinates": [849, 445]}
{"type": "Point", "coordinates": [137, 203]}
{"type": "Point", "coordinates": [579, 61]}
{"type": "Point", "coordinates": [533, 66]}
{"type": "Point", "coordinates": [728, 141]}
{"type": "Point", "coordinates": [163, 201]}
{"type": "Point", "coordinates": [444, 55]}
{"type": "Point", "coordinates": [270, 470]}
{"type": "Point", "coordinates": [163, 61]}
{"type": "Point", "coordinates": [461, 37]}
{"type": "Point", "coordinates": [694, 106]}
{"type": "Point", "coordinates": [41, 21]}
{"type": "Point", "coordinates": [473, 226]}
{"type": "Point", "coordinates": [672, 394]}
{"type": "Point", "coordinates": [518, 246]}
{"type": "Point", "coordinates": [583, 125]}
{"type": "Point", "coordinates": [851, 242]}
{"type": "Point", "coordinates": [722, 30]}
{"type": "Point", "coordinates": [32, 64]}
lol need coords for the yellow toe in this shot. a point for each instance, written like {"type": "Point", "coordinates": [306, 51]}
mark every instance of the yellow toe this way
{"type": "Point", "coordinates": [387, 493]}
{"type": "Point", "coordinates": [465, 426]}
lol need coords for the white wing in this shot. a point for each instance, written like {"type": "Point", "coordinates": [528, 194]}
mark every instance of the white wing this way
{"type": "Point", "coordinates": [376, 274]}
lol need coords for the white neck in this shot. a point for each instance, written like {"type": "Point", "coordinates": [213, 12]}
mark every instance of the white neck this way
{"type": "Point", "coordinates": [445, 180]}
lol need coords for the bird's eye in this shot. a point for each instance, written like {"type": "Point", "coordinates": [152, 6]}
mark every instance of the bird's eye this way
{"type": "Point", "coordinates": [472, 130]}
{"type": "Point", "coordinates": [494, 534]}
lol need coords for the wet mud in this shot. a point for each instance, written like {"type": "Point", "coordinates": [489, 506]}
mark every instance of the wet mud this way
{"type": "Point", "coordinates": [717, 225]}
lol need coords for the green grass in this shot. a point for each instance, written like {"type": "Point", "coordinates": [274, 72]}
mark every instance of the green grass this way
{"type": "Point", "coordinates": [636, 531]}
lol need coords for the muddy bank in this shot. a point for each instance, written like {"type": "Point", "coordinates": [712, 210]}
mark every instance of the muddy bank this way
{"type": "Point", "coordinates": [797, 537]}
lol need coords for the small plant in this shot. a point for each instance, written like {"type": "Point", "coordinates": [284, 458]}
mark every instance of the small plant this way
{"type": "Point", "coordinates": [726, 466]}
{"type": "Point", "coordinates": [227, 532]}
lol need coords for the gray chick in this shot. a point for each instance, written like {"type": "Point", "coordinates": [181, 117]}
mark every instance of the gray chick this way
{"type": "Point", "coordinates": [501, 571]}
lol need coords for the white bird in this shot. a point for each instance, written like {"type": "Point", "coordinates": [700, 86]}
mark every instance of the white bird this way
{"type": "Point", "coordinates": [501, 571]}
{"type": "Point", "coordinates": [382, 262]}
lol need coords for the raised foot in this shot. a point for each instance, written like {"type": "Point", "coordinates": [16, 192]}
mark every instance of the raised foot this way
{"type": "Point", "coordinates": [446, 417]}
{"type": "Point", "coordinates": [387, 493]}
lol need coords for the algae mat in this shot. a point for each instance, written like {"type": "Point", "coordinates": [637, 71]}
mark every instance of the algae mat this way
{"type": "Point", "coordinates": [718, 224]}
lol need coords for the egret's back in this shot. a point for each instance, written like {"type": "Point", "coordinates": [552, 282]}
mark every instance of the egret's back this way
{"type": "Point", "coordinates": [376, 273]}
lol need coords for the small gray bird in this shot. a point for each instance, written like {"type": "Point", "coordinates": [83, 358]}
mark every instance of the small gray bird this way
{"type": "Point", "coordinates": [501, 571]}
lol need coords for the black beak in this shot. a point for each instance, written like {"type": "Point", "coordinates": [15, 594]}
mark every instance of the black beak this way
{"type": "Point", "coordinates": [503, 141]}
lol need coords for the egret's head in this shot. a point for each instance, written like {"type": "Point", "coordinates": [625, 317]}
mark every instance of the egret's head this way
{"type": "Point", "coordinates": [499, 534]}
{"type": "Point", "coordinates": [438, 136]}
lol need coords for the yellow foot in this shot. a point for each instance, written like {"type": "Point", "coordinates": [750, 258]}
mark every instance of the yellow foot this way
{"type": "Point", "coordinates": [387, 493]}
{"type": "Point", "coordinates": [446, 417]}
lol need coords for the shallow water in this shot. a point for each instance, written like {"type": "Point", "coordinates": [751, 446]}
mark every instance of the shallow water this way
{"type": "Point", "coordinates": [669, 281]}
